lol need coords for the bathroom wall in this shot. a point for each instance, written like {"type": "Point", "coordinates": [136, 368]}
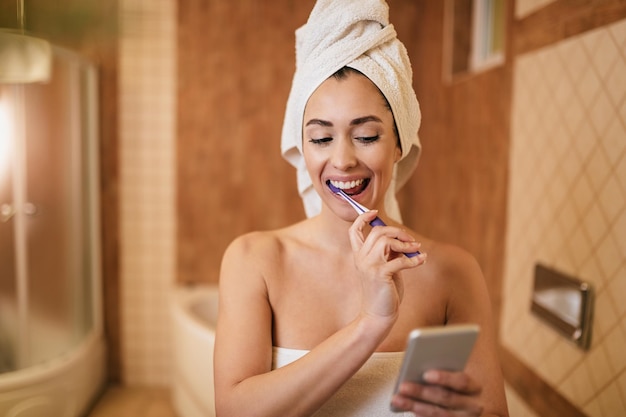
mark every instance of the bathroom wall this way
{"type": "Point", "coordinates": [458, 191]}
{"type": "Point", "coordinates": [567, 201]}
{"type": "Point", "coordinates": [147, 155]}
{"type": "Point", "coordinates": [525, 7]}
{"type": "Point", "coordinates": [236, 61]}
{"type": "Point", "coordinates": [457, 195]}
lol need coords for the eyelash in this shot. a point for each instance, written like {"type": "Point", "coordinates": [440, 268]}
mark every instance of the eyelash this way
{"type": "Point", "coordinates": [366, 140]}
{"type": "Point", "coordinates": [320, 141]}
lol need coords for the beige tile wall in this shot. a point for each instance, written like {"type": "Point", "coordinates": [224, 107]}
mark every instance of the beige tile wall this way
{"type": "Point", "coordinates": [517, 406]}
{"type": "Point", "coordinates": [147, 175]}
{"type": "Point", "coordinates": [525, 7]}
{"type": "Point", "coordinates": [567, 208]}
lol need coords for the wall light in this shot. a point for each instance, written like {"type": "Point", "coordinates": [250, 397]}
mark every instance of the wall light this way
{"type": "Point", "coordinates": [23, 58]}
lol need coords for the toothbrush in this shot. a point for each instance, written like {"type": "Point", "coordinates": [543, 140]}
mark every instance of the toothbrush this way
{"type": "Point", "coordinates": [360, 209]}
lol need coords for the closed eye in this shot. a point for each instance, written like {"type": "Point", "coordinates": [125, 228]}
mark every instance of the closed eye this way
{"type": "Point", "coordinates": [320, 141]}
{"type": "Point", "coordinates": [368, 139]}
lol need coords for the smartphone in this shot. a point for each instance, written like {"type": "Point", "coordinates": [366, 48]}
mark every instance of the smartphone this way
{"type": "Point", "coordinates": [441, 347]}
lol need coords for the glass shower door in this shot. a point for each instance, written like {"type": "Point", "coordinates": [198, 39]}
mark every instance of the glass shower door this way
{"type": "Point", "coordinates": [8, 290]}
{"type": "Point", "coordinates": [47, 251]}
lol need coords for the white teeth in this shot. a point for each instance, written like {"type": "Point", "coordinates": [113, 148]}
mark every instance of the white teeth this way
{"type": "Point", "coordinates": [347, 185]}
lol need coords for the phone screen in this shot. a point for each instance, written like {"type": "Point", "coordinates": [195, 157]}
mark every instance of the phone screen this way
{"type": "Point", "coordinates": [441, 347]}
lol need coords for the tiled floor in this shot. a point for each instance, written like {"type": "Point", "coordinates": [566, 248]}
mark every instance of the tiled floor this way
{"type": "Point", "coordinates": [134, 402]}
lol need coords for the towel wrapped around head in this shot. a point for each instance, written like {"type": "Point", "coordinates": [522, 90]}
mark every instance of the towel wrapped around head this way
{"type": "Point", "coordinates": [356, 34]}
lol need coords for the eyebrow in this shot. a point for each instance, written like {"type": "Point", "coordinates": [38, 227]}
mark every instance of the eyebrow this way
{"type": "Point", "coordinates": [319, 122]}
{"type": "Point", "coordinates": [362, 120]}
{"type": "Point", "coordinates": [354, 122]}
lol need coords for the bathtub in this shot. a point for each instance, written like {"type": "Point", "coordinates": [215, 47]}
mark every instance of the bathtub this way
{"type": "Point", "coordinates": [61, 387]}
{"type": "Point", "coordinates": [194, 313]}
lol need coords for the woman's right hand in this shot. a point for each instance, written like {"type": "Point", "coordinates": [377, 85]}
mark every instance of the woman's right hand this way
{"type": "Point", "coordinates": [443, 393]}
{"type": "Point", "coordinates": [379, 257]}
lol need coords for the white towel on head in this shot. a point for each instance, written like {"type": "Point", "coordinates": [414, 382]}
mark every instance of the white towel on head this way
{"type": "Point", "coordinates": [357, 34]}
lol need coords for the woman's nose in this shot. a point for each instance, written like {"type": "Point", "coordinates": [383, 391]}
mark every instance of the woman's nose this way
{"type": "Point", "coordinates": [343, 155]}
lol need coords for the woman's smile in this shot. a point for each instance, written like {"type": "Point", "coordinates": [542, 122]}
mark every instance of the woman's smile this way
{"type": "Point", "coordinates": [352, 187]}
{"type": "Point", "coordinates": [349, 139]}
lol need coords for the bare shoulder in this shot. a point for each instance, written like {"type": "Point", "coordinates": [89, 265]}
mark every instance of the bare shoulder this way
{"type": "Point", "coordinates": [455, 275]}
{"type": "Point", "coordinates": [453, 261]}
{"type": "Point", "coordinates": [259, 253]}
{"type": "Point", "coordinates": [250, 255]}
{"type": "Point", "coordinates": [454, 281]}
{"type": "Point", "coordinates": [445, 259]}
{"type": "Point", "coordinates": [253, 245]}
{"type": "Point", "coordinates": [243, 285]}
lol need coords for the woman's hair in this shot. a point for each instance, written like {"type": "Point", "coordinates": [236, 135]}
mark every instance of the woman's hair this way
{"type": "Point", "coordinates": [343, 73]}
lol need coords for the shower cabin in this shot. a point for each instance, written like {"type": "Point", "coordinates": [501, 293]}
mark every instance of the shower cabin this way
{"type": "Point", "coordinates": [51, 345]}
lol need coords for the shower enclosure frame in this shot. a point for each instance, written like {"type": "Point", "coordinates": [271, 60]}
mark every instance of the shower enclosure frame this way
{"type": "Point", "coordinates": [67, 382]}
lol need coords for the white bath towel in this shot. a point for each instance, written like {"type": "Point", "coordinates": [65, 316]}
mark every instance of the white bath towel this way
{"type": "Point", "coordinates": [367, 393]}
{"type": "Point", "coordinates": [357, 34]}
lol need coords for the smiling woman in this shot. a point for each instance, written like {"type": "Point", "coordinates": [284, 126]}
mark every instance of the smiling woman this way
{"type": "Point", "coordinates": [314, 317]}
{"type": "Point", "coordinates": [348, 120]}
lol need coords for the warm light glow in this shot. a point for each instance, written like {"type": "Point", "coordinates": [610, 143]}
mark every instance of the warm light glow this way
{"type": "Point", "coordinates": [6, 133]}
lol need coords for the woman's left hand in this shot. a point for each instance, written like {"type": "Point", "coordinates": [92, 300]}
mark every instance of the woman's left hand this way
{"type": "Point", "coordinates": [442, 394]}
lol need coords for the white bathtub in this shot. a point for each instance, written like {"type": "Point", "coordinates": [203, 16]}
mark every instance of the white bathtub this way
{"type": "Point", "coordinates": [194, 313]}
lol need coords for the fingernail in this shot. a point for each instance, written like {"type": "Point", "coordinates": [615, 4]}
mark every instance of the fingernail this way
{"type": "Point", "coordinates": [398, 402]}
{"type": "Point", "coordinates": [430, 376]}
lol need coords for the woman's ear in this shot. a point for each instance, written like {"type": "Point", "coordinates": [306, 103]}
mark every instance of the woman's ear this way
{"type": "Point", "coordinates": [398, 154]}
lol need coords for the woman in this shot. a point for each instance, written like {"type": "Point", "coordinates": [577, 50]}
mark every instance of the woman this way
{"type": "Point", "coordinates": [314, 317]}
